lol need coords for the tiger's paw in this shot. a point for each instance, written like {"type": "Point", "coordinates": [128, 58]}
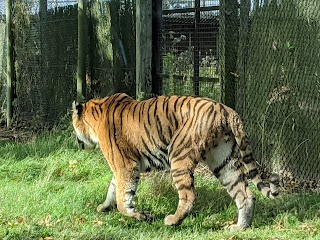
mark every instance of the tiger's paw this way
{"type": "Point", "coordinates": [235, 228]}
{"type": "Point", "coordinates": [104, 208]}
{"type": "Point", "coordinates": [143, 216]}
{"type": "Point", "coordinates": [172, 220]}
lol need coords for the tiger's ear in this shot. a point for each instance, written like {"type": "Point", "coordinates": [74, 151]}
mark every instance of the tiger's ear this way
{"type": "Point", "coordinates": [77, 108]}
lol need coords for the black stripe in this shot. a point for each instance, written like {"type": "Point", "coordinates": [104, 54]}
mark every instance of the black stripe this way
{"type": "Point", "coordinates": [248, 158]}
{"type": "Point", "coordinates": [150, 161]}
{"type": "Point", "coordinates": [175, 104]}
{"type": "Point", "coordinates": [121, 112]}
{"type": "Point", "coordinates": [261, 185]}
{"type": "Point", "coordinates": [181, 107]}
{"type": "Point", "coordinates": [175, 120]}
{"type": "Point", "coordinates": [146, 130]}
{"type": "Point", "coordinates": [236, 194]}
{"type": "Point", "coordinates": [149, 153]}
{"type": "Point", "coordinates": [134, 109]}
{"type": "Point", "coordinates": [131, 192]}
{"type": "Point", "coordinates": [141, 110]}
{"type": "Point", "coordinates": [95, 111]}
{"type": "Point", "coordinates": [154, 143]}
{"type": "Point", "coordinates": [159, 129]}
{"type": "Point", "coordinates": [217, 170]}
{"type": "Point", "coordinates": [109, 133]}
{"type": "Point", "coordinates": [239, 180]}
{"type": "Point", "coordinates": [190, 155]}
{"type": "Point", "coordinates": [253, 173]}
{"type": "Point", "coordinates": [211, 109]}
{"type": "Point", "coordinates": [225, 113]}
{"type": "Point", "coordinates": [178, 173]}
{"type": "Point", "coordinates": [178, 151]}
{"type": "Point", "coordinates": [268, 194]}
{"type": "Point", "coordinates": [184, 187]}
{"type": "Point", "coordinates": [100, 108]}
{"type": "Point", "coordinates": [148, 112]}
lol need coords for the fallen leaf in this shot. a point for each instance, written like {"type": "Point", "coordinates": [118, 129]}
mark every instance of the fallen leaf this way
{"type": "Point", "coordinates": [97, 222]}
{"type": "Point", "coordinates": [46, 221]}
{"type": "Point", "coordinates": [46, 238]}
{"type": "Point", "coordinates": [59, 172]}
{"type": "Point", "coordinates": [20, 219]}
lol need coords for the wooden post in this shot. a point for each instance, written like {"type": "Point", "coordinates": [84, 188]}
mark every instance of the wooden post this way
{"type": "Point", "coordinates": [82, 43]}
{"type": "Point", "coordinates": [143, 48]}
{"type": "Point", "coordinates": [156, 47]}
{"type": "Point", "coordinates": [228, 46]}
{"type": "Point", "coordinates": [10, 65]}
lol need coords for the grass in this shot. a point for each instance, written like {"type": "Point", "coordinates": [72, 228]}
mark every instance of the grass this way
{"type": "Point", "coordinates": [49, 189]}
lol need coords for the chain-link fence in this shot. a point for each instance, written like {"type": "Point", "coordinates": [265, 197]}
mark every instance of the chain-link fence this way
{"type": "Point", "coordinates": [279, 86]}
{"type": "Point", "coordinates": [262, 57]}
{"type": "Point", "coordinates": [190, 31]}
{"type": "Point", "coordinates": [45, 51]}
{"type": "Point", "coordinates": [3, 53]}
{"type": "Point", "coordinates": [45, 36]}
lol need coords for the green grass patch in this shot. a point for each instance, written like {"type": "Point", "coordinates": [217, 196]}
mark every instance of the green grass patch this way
{"type": "Point", "coordinates": [50, 189]}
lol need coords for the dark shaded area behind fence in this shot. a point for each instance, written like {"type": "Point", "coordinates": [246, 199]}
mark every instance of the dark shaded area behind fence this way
{"type": "Point", "coordinates": [278, 88]}
{"type": "Point", "coordinates": [45, 55]}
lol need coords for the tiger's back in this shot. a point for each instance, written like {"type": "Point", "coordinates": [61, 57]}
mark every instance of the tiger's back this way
{"type": "Point", "coordinates": [170, 132]}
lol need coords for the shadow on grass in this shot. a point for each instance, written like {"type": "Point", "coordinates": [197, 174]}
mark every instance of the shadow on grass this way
{"type": "Point", "coordinates": [214, 208]}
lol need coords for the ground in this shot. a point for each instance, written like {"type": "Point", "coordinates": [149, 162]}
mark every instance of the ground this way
{"type": "Point", "coordinates": [49, 189]}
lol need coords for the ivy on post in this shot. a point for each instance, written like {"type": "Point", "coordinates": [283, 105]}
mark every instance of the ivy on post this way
{"type": "Point", "coordinates": [82, 42]}
{"type": "Point", "coordinates": [10, 65]}
{"type": "Point", "coordinates": [143, 48]}
{"type": "Point", "coordinates": [228, 42]}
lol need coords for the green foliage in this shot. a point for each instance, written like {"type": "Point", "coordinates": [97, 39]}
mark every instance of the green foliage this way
{"type": "Point", "coordinates": [50, 189]}
{"type": "Point", "coordinates": [178, 65]}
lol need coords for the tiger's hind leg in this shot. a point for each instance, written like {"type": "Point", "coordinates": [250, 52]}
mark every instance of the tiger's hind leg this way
{"type": "Point", "coordinates": [111, 201]}
{"type": "Point", "coordinates": [231, 177]}
{"type": "Point", "coordinates": [182, 168]}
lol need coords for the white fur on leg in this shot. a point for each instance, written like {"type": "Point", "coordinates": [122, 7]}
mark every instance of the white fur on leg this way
{"type": "Point", "coordinates": [110, 201]}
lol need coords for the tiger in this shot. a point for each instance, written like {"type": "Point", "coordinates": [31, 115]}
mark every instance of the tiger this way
{"type": "Point", "coordinates": [174, 133]}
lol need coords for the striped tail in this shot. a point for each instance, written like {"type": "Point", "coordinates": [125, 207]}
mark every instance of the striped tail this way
{"type": "Point", "coordinates": [248, 160]}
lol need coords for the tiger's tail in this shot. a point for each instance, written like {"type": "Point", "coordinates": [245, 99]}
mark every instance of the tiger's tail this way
{"type": "Point", "coordinates": [248, 160]}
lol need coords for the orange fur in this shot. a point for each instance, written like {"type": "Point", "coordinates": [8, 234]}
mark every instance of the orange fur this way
{"type": "Point", "coordinates": [173, 133]}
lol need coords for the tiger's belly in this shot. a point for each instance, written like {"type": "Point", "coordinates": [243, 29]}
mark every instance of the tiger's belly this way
{"type": "Point", "coordinates": [217, 155]}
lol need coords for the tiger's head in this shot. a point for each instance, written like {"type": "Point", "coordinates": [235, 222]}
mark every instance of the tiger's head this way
{"type": "Point", "coordinates": [83, 127]}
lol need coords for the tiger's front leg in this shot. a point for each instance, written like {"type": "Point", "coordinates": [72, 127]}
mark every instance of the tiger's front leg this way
{"type": "Point", "coordinates": [111, 201]}
{"type": "Point", "coordinates": [126, 186]}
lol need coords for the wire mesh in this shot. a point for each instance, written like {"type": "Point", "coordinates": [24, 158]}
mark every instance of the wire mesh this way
{"type": "Point", "coordinates": [189, 52]}
{"type": "Point", "coordinates": [263, 54]}
{"type": "Point", "coordinates": [45, 52]}
{"type": "Point", "coordinates": [280, 87]}
{"type": "Point", "coordinates": [3, 61]}
{"type": "Point", "coordinates": [112, 47]}
{"type": "Point", "coordinates": [45, 37]}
